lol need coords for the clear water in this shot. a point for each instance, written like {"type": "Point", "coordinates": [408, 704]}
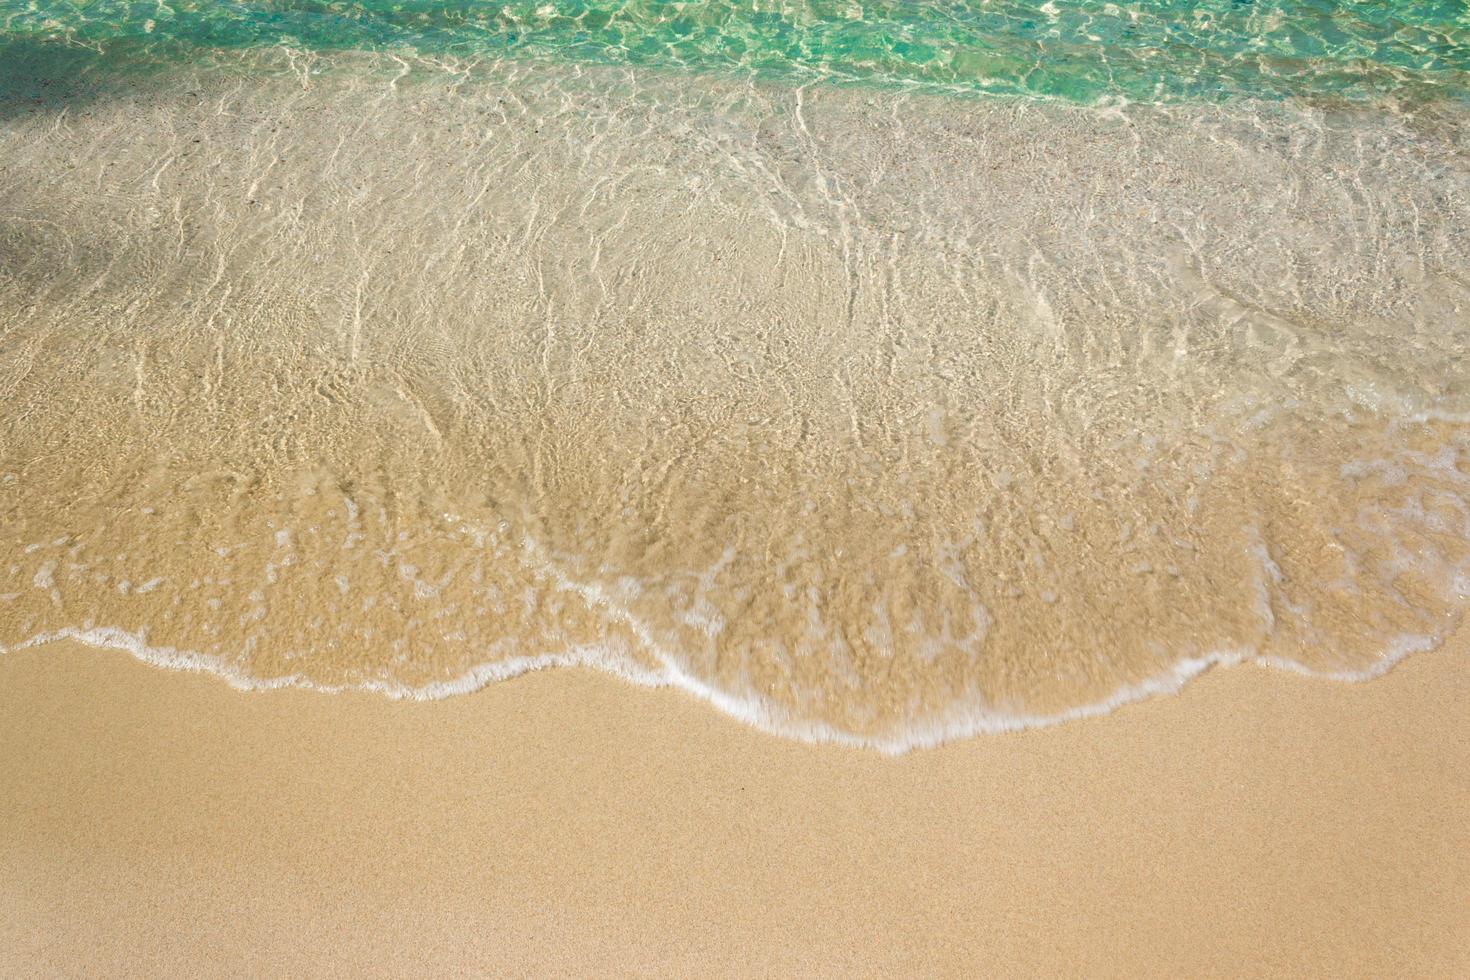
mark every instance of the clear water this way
{"type": "Point", "coordinates": [1066, 351]}
{"type": "Point", "coordinates": [1087, 51]}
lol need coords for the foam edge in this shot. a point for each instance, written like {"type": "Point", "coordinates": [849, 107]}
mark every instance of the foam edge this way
{"type": "Point", "coordinates": [750, 709]}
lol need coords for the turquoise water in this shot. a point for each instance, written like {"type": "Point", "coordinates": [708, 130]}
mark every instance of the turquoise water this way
{"type": "Point", "coordinates": [1152, 50]}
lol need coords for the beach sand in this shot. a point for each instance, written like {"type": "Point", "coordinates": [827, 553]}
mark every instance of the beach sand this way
{"type": "Point", "coordinates": [1260, 823]}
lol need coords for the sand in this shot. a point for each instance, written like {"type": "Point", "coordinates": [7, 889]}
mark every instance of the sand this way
{"type": "Point", "coordinates": [155, 823]}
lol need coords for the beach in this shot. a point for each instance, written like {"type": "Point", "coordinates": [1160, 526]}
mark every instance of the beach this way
{"type": "Point", "coordinates": [585, 488]}
{"type": "Point", "coordinates": [565, 823]}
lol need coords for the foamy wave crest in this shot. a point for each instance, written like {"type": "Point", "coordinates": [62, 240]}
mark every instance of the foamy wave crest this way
{"type": "Point", "coordinates": [771, 718]}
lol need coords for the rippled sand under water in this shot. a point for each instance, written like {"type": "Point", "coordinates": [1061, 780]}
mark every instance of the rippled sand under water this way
{"type": "Point", "coordinates": [867, 416]}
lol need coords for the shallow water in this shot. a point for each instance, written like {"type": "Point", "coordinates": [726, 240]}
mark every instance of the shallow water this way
{"type": "Point", "coordinates": [1083, 50]}
{"type": "Point", "coordinates": [868, 413]}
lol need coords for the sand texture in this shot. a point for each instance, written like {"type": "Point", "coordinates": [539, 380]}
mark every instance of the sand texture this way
{"type": "Point", "coordinates": [1259, 824]}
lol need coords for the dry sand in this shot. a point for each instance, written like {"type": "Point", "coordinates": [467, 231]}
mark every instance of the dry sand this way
{"type": "Point", "coordinates": [156, 823]}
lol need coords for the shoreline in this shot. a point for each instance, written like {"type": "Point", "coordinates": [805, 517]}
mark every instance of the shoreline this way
{"type": "Point", "coordinates": [1256, 823]}
{"type": "Point", "coordinates": [759, 716]}
{"type": "Point", "coordinates": [902, 437]}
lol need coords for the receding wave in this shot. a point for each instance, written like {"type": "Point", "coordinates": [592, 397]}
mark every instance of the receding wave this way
{"type": "Point", "coordinates": [867, 415]}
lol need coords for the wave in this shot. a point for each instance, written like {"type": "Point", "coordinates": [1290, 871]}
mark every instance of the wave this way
{"type": "Point", "coordinates": [771, 718]}
{"type": "Point", "coordinates": [865, 416]}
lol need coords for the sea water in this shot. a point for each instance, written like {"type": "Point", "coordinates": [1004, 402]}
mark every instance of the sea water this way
{"type": "Point", "coordinates": [879, 372]}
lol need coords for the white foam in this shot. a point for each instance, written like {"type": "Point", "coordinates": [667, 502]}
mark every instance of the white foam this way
{"type": "Point", "coordinates": [959, 723]}
{"type": "Point", "coordinates": [45, 576]}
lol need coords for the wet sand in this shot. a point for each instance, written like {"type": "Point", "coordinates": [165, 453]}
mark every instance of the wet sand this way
{"type": "Point", "coordinates": [1260, 823]}
{"type": "Point", "coordinates": [869, 416]}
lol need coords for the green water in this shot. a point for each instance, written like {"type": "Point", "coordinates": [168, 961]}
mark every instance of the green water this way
{"type": "Point", "coordinates": [1089, 51]}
